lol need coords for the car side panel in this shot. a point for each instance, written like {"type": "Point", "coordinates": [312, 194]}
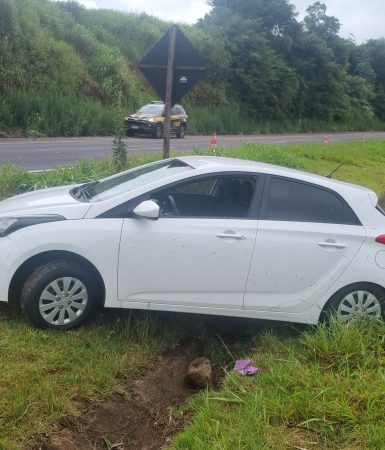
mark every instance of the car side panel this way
{"type": "Point", "coordinates": [368, 266]}
{"type": "Point", "coordinates": [96, 240]}
{"type": "Point", "coordinates": [186, 261]}
{"type": "Point", "coordinates": [291, 266]}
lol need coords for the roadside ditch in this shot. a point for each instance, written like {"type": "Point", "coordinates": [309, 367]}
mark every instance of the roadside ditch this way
{"type": "Point", "coordinates": [142, 420]}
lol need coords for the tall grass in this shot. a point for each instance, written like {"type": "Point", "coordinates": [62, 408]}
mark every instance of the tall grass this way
{"type": "Point", "coordinates": [231, 119]}
{"type": "Point", "coordinates": [323, 388]}
{"type": "Point", "coordinates": [53, 114]}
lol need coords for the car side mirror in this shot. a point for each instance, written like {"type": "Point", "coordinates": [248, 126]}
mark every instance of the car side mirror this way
{"type": "Point", "coordinates": [148, 210]}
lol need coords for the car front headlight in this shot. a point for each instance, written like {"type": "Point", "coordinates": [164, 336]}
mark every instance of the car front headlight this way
{"type": "Point", "coordinates": [151, 119]}
{"type": "Point", "coordinates": [10, 224]}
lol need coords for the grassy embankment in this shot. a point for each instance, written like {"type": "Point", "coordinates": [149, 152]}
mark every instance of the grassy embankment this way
{"type": "Point", "coordinates": [318, 388]}
{"type": "Point", "coordinates": [323, 388]}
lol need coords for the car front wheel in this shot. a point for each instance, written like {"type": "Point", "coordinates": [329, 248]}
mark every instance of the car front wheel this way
{"type": "Point", "coordinates": [181, 133]}
{"type": "Point", "coordinates": [59, 295]}
{"type": "Point", "coordinates": [357, 301]}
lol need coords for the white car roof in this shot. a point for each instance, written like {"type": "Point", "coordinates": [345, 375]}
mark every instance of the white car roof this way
{"type": "Point", "coordinates": [225, 163]}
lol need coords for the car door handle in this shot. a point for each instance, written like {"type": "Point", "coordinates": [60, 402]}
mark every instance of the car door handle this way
{"type": "Point", "coordinates": [230, 236]}
{"type": "Point", "coordinates": [331, 244]}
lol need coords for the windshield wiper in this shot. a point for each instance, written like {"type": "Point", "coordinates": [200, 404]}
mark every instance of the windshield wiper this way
{"type": "Point", "coordinates": [81, 192]}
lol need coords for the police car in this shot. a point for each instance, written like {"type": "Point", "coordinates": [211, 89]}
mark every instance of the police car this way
{"type": "Point", "coordinates": [149, 119]}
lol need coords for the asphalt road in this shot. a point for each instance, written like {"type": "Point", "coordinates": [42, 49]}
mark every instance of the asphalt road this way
{"type": "Point", "coordinates": [46, 153]}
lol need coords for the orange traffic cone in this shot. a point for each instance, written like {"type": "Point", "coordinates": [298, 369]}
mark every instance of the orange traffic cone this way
{"type": "Point", "coordinates": [214, 142]}
{"type": "Point", "coordinates": [326, 139]}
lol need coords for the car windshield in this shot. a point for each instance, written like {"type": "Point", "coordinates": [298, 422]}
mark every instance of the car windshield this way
{"type": "Point", "coordinates": [116, 185]}
{"type": "Point", "coordinates": [156, 110]}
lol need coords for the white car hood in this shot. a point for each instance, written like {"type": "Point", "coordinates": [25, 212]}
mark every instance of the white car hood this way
{"type": "Point", "coordinates": [56, 200]}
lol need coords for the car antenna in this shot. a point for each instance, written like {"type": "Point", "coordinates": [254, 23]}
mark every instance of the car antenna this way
{"type": "Point", "coordinates": [329, 175]}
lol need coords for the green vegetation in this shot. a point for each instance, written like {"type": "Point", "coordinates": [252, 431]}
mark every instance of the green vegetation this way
{"type": "Point", "coordinates": [363, 163]}
{"type": "Point", "coordinates": [48, 376]}
{"type": "Point", "coordinates": [322, 388]}
{"type": "Point", "coordinates": [66, 70]}
{"type": "Point", "coordinates": [119, 153]}
{"type": "Point", "coordinates": [14, 180]}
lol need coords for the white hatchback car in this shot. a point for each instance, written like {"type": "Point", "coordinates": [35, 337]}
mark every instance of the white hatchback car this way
{"type": "Point", "coordinates": [196, 234]}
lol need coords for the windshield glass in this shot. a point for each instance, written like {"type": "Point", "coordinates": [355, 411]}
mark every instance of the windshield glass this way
{"type": "Point", "coordinates": [156, 110]}
{"type": "Point", "coordinates": [113, 186]}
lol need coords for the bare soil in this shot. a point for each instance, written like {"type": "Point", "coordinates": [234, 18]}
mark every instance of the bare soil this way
{"type": "Point", "coordinates": [144, 419]}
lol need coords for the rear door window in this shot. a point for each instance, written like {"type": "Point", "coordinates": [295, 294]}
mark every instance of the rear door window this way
{"type": "Point", "coordinates": [291, 200]}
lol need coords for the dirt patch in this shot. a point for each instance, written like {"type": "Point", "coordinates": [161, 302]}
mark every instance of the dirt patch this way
{"type": "Point", "coordinates": [145, 420]}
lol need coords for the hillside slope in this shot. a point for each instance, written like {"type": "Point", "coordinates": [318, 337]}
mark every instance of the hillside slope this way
{"type": "Point", "coordinates": [66, 70]}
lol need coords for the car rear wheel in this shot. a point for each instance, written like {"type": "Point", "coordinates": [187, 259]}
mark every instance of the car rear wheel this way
{"type": "Point", "coordinates": [59, 295]}
{"type": "Point", "coordinates": [357, 301]}
{"type": "Point", "coordinates": [181, 133]}
{"type": "Point", "coordinates": [158, 132]}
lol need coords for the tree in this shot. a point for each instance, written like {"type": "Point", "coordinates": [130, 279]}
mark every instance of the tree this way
{"type": "Point", "coordinates": [375, 50]}
{"type": "Point", "coordinates": [6, 18]}
{"type": "Point", "coordinates": [275, 16]}
{"type": "Point", "coordinates": [258, 76]}
{"type": "Point", "coordinates": [316, 21]}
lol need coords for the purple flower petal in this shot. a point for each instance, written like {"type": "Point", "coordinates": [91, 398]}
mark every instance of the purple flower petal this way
{"type": "Point", "coordinates": [241, 364]}
{"type": "Point", "coordinates": [245, 367]}
{"type": "Point", "coordinates": [251, 370]}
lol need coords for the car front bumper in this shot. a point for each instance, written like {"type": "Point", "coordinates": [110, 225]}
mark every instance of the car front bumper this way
{"type": "Point", "coordinates": [140, 127]}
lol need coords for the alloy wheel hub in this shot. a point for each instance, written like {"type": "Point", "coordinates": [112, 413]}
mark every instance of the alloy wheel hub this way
{"type": "Point", "coordinates": [359, 304]}
{"type": "Point", "coordinates": [63, 301]}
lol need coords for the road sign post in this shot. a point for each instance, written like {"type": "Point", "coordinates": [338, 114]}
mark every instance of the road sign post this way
{"type": "Point", "coordinates": [172, 67]}
{"type": "Point", "coordinates": [168, 99]}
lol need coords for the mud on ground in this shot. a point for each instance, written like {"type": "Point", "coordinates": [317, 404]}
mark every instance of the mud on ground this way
{"type": "Point", "coordinates": [142, 422]}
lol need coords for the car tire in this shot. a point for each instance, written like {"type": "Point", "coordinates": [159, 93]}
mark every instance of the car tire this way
{"type": "Point", "coordinates": [60, 295]}
{"type": "Point", "coordinates": [158, 132]}
{"type": "Point", "coordinates": [181, 133]}
{"type": "Point", "coordinates": [356, 301]}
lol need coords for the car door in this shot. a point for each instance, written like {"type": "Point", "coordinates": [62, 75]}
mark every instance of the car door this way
{"type": "Point", "coordinates": [307, 237]}
{"type": "Point", "coordinates": [198, 253]}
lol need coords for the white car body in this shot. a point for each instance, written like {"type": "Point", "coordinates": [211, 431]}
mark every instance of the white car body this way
{"type": "Point", "coordinates": [247, 267]}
